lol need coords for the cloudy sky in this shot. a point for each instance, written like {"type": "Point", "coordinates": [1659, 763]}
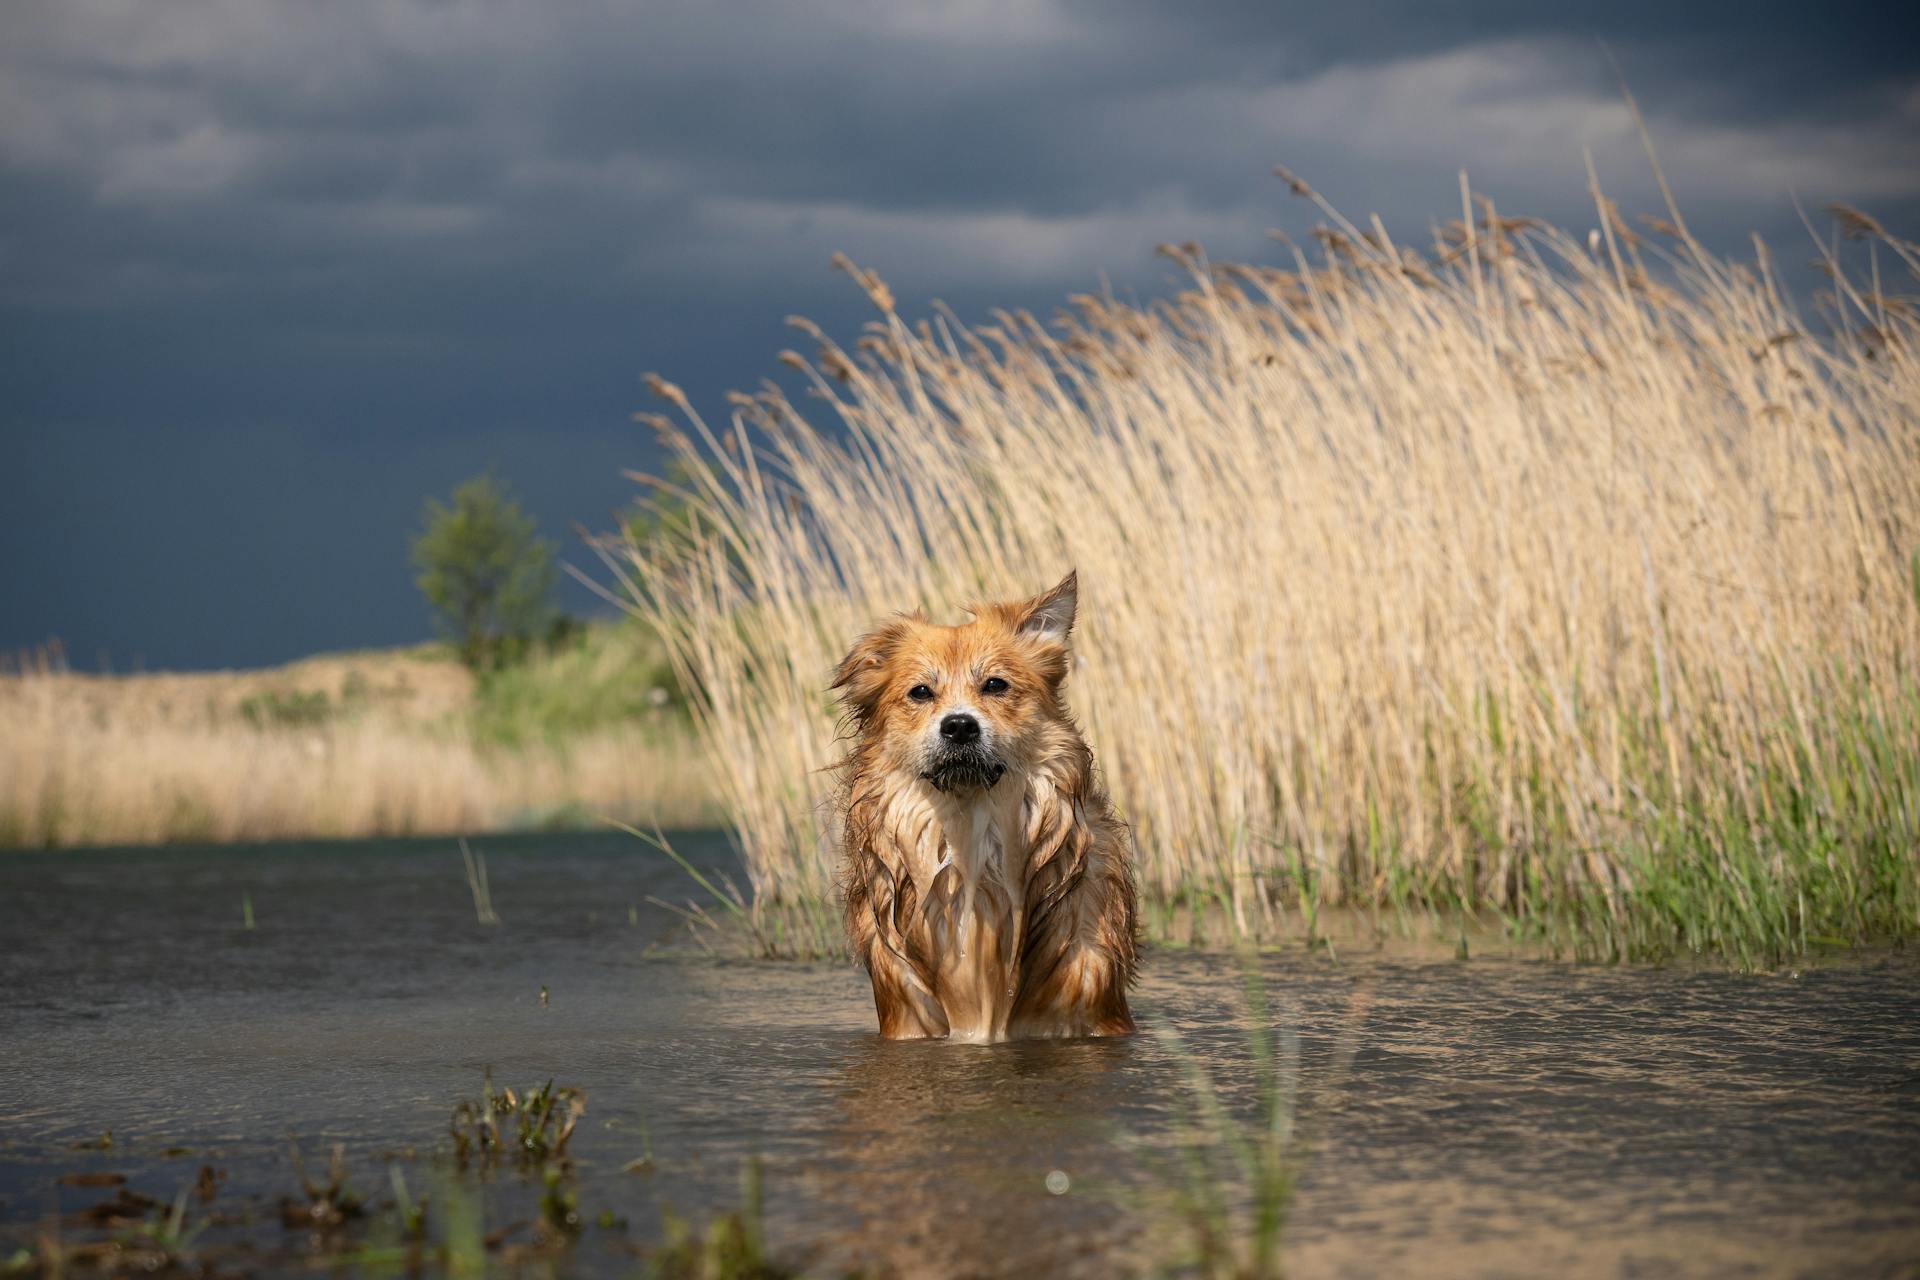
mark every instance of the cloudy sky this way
{"type": "Point", "coordinates": [271, 273]}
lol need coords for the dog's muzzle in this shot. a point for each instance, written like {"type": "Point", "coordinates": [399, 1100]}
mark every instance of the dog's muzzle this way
{"type": "Point", "coordinates": [959, 768]}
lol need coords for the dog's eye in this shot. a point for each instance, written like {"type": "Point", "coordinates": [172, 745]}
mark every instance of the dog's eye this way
{"type": "Point", "coordinates": [920, 693]}
{"type": "Point", "coordinates": [994, 684]}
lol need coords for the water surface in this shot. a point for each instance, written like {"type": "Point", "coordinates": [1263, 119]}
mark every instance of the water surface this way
{"type": "Point", "coordinates": [1492, 1117]}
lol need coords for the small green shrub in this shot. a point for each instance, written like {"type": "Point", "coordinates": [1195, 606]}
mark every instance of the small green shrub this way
{"type": "Point", "coordinates": [593, 678]}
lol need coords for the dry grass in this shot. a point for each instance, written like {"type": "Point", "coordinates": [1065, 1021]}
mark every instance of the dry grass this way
{"type": "Point", "coordinates": [415, 686]}
{"type": "Point", "coordinates": [1573, 580]}
{"type": "Point", "coordinates": [144, 759]}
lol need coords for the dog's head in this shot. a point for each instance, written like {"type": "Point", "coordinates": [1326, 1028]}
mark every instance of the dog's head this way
{"type": "Point", "coordinates": [963, 706]}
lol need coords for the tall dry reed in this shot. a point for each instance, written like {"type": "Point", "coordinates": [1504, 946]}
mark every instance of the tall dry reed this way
{"type": "Point", "coordinates": [1571, 576]}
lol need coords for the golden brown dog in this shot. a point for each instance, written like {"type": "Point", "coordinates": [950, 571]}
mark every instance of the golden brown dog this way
{"type": "Point", "coordinates": [989, 889]}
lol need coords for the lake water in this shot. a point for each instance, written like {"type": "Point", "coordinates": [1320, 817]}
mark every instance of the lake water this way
{"type": "Point", "coordinates": [1487, 1117]}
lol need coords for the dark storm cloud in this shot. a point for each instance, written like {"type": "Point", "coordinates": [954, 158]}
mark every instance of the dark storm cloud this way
{"type": "Point", "coordinates": [269, 274]}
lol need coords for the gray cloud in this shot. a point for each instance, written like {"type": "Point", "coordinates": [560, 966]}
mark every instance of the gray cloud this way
{"type": "Point", "coordinates": [408, 237]}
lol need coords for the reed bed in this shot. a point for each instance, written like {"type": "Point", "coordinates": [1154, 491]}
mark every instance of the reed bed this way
{"type": "Point", "coordinates": [1568, 577]}
{"type": "Point", "coordinates": [70, 775]}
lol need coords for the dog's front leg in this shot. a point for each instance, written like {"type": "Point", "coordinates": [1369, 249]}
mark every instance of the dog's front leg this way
{"type": "Point", "coordinates": [902, 991]}
{"type": "Point", "coordinates": [1080, 948]}
{"type": "Point", "coordinates": [907, 1008]}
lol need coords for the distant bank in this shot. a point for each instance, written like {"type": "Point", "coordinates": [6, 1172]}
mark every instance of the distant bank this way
{"type": "Point", "coordinates": [365, 743]}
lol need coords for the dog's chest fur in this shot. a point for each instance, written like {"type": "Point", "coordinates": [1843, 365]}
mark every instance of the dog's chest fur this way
{"type": "Point", "coordinates": [968, 860]}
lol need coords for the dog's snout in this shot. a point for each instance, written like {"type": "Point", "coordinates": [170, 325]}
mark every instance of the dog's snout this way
{"type": "Point", "coordinates": [960, 729]}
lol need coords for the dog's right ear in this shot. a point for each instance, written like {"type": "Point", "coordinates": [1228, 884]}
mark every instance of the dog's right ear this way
{"type": "Point", "coordinates": [861, 676]}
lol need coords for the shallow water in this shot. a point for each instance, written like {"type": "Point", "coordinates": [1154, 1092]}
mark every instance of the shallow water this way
{"type": "Point", "coordinates": [1495, 1117]}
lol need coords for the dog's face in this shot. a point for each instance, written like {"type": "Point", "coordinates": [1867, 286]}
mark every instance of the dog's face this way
{"type": "Point", "coordinates": [963, 706]}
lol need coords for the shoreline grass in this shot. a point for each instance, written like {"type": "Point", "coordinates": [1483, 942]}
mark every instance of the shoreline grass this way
{"type": "Point", "coordinates": [1570, 581]}
{"type": "Point", "coordinates": [347, 745]}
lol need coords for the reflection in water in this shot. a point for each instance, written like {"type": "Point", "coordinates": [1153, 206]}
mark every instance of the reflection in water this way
{"type": "Point", "coordinates": [942, 1155]}
{"type": "Point", "coordinates": [1498, 1117]}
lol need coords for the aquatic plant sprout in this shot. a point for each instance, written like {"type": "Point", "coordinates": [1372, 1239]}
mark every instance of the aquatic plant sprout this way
{"type": "Point", "coordinates": [543, 1121]}
{"type": "Point", "coordinates": [1570, 577]}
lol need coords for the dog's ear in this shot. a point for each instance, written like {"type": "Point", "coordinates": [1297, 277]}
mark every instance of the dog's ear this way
{"type": "Point", "coordinates": [861, 676]}
{"type": "Point", "coordinates": [1049, 615]}
{"type": "Point", "coordinates": [1046, 622]}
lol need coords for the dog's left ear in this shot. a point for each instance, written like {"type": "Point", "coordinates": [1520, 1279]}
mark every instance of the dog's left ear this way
{"type": "Point", "coordinates": [1049, 616]}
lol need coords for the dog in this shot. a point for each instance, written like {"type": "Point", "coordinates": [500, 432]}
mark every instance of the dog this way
{"type": "Point", "coordinates": [988, 886]}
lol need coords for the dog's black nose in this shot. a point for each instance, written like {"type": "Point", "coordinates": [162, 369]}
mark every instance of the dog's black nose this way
{"type": "Point", "coordinates": [960, 729]}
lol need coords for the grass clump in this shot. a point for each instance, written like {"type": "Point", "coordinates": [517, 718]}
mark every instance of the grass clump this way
{"type": "Point", "coordinates": [1569, 582]}
{"type": "Point", "coordinates": [537, 1129]}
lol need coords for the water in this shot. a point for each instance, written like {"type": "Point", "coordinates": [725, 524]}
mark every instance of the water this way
{"type": "Point", "coordinates": [1495, 1118]}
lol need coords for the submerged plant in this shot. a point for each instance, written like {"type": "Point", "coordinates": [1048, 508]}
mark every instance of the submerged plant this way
{"type": "Point", "coordinates": [404, 1239]}
{"type": "Point", "coordinates": [732, 1246]}
{"type": "Point", "coordinates": [326, 1205]}
{"type": "Point", "coordinates": [559, 1207]}
{"type": "Point", "coordinates": [478, 885]}
{"type": "Point", "coordinates": [1227, 1189]}
{"type": "Point", "coordinates": [143, 1236]}
{"type": "Point", "coordinates": [166, 1238]}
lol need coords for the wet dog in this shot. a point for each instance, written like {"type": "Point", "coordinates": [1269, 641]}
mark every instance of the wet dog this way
{"type": "Point", "coordinates": [989, 889]}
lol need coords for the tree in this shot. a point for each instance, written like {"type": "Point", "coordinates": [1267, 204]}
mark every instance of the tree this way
{"type": "Point", "coordinates": [485, 571]}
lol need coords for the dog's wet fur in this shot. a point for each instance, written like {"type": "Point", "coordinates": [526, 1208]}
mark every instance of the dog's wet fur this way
{"type": "Point", "coordinates": [989, 888]}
